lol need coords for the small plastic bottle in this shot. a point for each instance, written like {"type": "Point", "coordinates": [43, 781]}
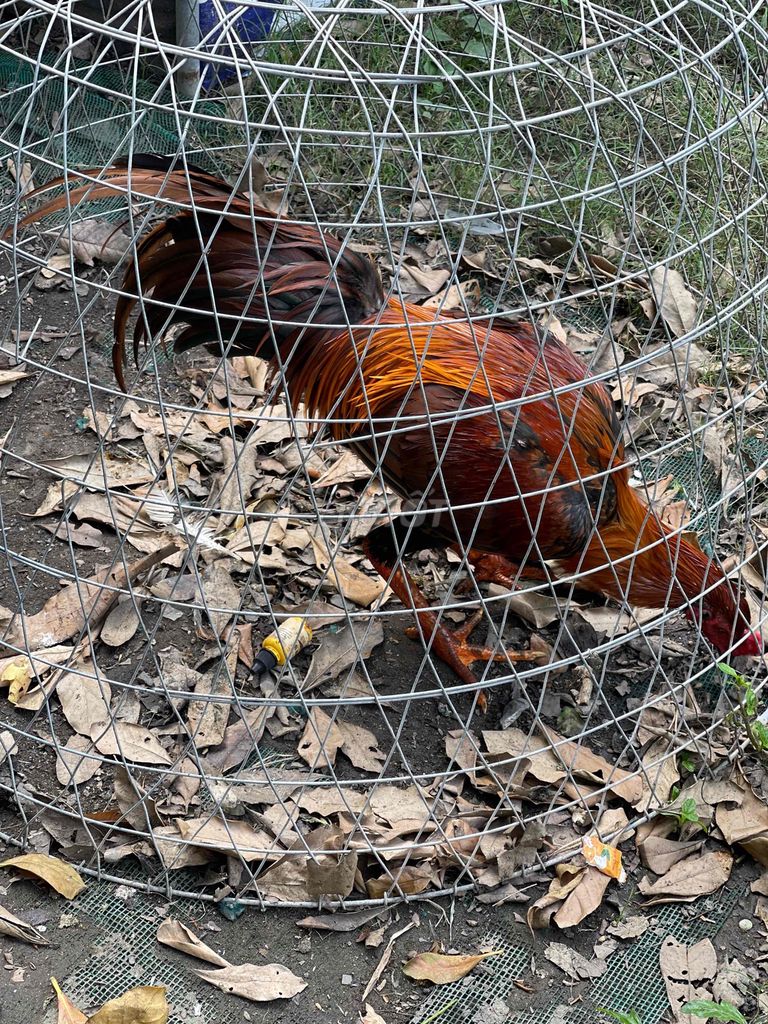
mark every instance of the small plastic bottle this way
{"type": "Point", "coordinates": [288, 639]}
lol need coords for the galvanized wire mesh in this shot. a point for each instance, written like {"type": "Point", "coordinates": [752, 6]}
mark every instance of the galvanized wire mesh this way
{"type": "Point", "coordinates": [596, 171]}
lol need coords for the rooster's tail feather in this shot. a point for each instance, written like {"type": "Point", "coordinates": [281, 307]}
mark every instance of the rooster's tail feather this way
{"type": "Point", "coordinates": [227, 270]}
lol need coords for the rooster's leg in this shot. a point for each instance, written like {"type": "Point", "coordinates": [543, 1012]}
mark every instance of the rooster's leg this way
{"type": "Point", "coordinates": [488, 568]}
{"type": "Point", "coordinates": [451, 646]}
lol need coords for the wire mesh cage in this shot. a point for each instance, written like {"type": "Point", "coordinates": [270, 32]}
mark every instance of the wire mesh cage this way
{"type": "Point", "coordinates": [475, 279]}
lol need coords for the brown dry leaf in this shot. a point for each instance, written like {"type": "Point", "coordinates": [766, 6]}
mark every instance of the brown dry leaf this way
{"type": "Point", "coordinates": [62, 615]}
{"type": "Point", "coordinates": [238, 475]}
{"type": "Point", "coordinates": [536, 756]}
{"type": "Point", "coordinates": [230, 837]}
{"type": "Point", "coordinates": [260, 984]}
{"type": "Point", "coordinates": [420, 282]}
{"type": "Point", "coordinates": [7, 745]}
{"type": "Point", "coordinates": [338, 652]}
{"type": "Point", "coordinates": [660, 775]}
{"type": "Point", "coordinates": [538, 610]}
{"type": "Point", "coordinates": [409, 880]}
{"type": "Point", "coordinates": [361, 747]}
{"type": "Point", "coordinates": [94, 239]}
{"type": "Point", "coordinates": [760, 885]}
{"type": "Point", "coordinates": [129, 742]}
{"type": "Point", "coordinates": [239, 743]}
{"type": "Point", "coordinates": [350, 582]}
{"type": "Point", "coordinates": [631, 927]}
{"type": "Point", "coordinates": [344, 470]}
{"type": "Point", "coordinates": [222, 595]}
{"type": "Point", "coordinates": [320, 740]}
{"type": "Point", "coordinates": [207, 720]}
{"type": "Point", "coordinates": [442, 968]}
{"type": "Point", "coordinates": [542, 911]}
{"type": "Point", "coordinates": [341, 922]}
{"type": "Point", "coordinates": [9, 377]}
{"type": "Point", "coordinates": [455, 296]}
{"type": "Point", "coordinates": [274, 200]}
{"type": "Point", "coordinates": [174, 852]}
{"type": "Point", "coordinates": [585, 898]}
{"type": "Point", "coordinates": [60, 876]}
{"type": "Point", "coordinates": [120, 624]}
{"type": "Point", "coordinates": [66, 1011]}
{"type": "Point", "coordinates": [136, 807]}
{"type": "Point", "coordinates": [386, 956]}
{"type": "Point", "coordinates": [297, 877]}
{"type": "Point", "coordinates": [673, 300]}
{"type": "Point", "coordinates": [84, 700]}
{"type": "Point", "coordinates": [17, 929]}
{"type": "Point", "coordinates": [687, 972]}
{"type": "Point", "coordinates": [630, 392]}
{"type": "Point", "coordinates": [573, 963]}
{"type": "Point", "coordinates": [585, 764]}
{"type": "Point", "coordinates": [689, 878]}
{"type": "Point", "coordinates": [661, 854]}
{"type": "Point", "coordinates": [88, 470]}
{"type": "Point", "coordinates": [176, 935]}
{"type": "Point", "coordinates": [534, 263]}
{"type": "Point", "coordinates": [23, 177]}
{"type": "Point", "coordinates": [84, 536]}
{"type": "Point", "coordinates": [743, 818]}
{"type": "Point", "coordinates": [145, 1005]}
{"type": "Point", "coordinates": [73, 768]}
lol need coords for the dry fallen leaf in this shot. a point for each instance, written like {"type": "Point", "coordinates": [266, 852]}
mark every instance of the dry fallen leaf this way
{"type": "Point", "coordinates": [145, 1005]}
{"type": "Point", "coordinates": [673, 300]}
{"type": "Point", "coordinates": [7, 745]}
{"type": "Point", "coordinates": [342, 922]}
{"type": "Point", "coordinates": [573, 963]}
{"type": "Point", "coordinates": [442, 968]}
{"type": "Point", "coordinates": [62, 615]}
{"type": "Point", "coordinates": [84, 699]}
{"type": "Point", "coordinates": [121, 624]}
{"type": "Point", "coordinates": [60, 876]}
{"type": "Point", "coordinates": [67, 1012]}
{"type": "Point", "coordinates": [18, 929]}
{"type": "Point", "coordinates": [629, 927]}
{"type": "Point", "coordinates": [94, 239]}
{"type": "Point", "coordinates": [132, 743]}
{"type": "Point", "coordinates": [350, 582]}
{"type": "Point", "coordinates": [260, 984]}
{"type": "Point", "coordinates": [689, 878]}
{"type": "Point", "coordinates": [320, 741]}
{"type": "Point", "coordinates": [543, 910]}
{"type": "Point", "coordinates": [340, 651]}
{"type": "Point", "coordinates": [73, 768]}
{"type": "Point", "coordinates": [22, 176]}
{"type": "Point", "coordinates": [687, 971]}
{"type": "Point", "coordinates": [176, 935]}
{"type": "Point", "coordinates": [585, 898]}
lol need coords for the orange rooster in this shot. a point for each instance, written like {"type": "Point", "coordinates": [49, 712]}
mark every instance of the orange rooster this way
{"type": "Point", "coordinates": [492, 429]}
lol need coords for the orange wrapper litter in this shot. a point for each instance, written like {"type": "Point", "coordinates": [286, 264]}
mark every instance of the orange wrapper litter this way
{"type": "Point", "coordinates": [603, 857]}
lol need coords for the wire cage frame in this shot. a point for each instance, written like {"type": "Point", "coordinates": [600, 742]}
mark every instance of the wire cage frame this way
{"type": "Point", "coordinates": [595, 171]}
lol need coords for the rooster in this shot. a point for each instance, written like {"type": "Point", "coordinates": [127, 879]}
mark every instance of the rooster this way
{"type": "Point", "coordinates": [492, 429]}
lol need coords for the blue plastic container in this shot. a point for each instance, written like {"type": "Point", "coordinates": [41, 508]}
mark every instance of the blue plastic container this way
{"type": "Point", "coordinates": [221, 33]}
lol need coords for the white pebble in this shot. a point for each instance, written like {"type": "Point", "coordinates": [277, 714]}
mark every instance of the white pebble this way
{"type": "Point", "coordinates": [745, 924]}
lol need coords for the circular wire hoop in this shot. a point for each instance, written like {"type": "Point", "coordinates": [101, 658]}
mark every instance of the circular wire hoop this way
{"type": "Point", "coordinates": [596, 171]}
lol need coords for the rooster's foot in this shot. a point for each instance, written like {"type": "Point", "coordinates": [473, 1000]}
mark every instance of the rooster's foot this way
{"type": "Point", "coordinates": [453, 647]}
